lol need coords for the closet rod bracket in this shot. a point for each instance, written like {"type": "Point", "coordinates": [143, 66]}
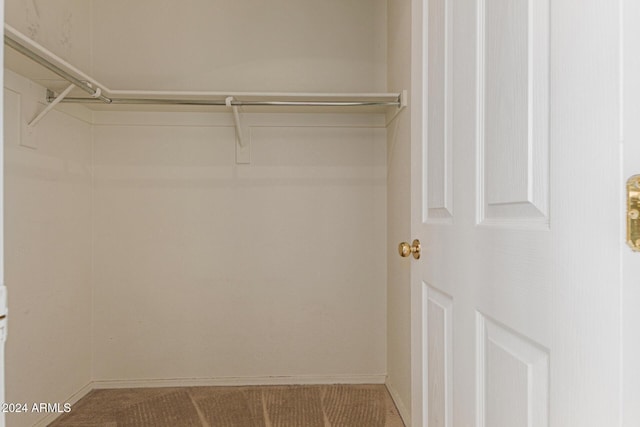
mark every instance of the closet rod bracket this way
{"type": "Point", "coordinates": [402, 104]}
{"type": "Point", "coordinates": [52, 103]}
{"type": "Point", "coordinates": [243, 150]}
{"type": "Point", "coordinates": [236, 119]}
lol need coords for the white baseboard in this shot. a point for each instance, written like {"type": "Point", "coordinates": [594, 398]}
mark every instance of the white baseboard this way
{"type": "Point", "coordinates": [404, 413]}
{"type": "Point", "coordinates": [242, 381]}
{"type": "Point", "coordinates": [72, 400]}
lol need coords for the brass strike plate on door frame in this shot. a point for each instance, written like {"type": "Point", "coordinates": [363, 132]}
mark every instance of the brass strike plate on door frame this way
{"type": "Point", "coordinates": [633, 212]}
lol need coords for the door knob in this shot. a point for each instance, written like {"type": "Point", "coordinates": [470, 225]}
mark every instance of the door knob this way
{"type": "Point", "coordinates": [406, 249]}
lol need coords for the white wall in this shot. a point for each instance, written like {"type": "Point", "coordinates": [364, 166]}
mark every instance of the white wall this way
{"type": "Point", "coordinates": [48, 252]}
{"type": "Point", "coordinates": [241, 45]}
{"type": "Point", "coordinates": [207, 269]}
{"type": "Point", "coordinates": [47, 221]}
{"type": "Point", "coordinates": [211, 270]}
{"type": "Point", "coordinates": [399, 212]}
{"type": "Point", "coordinates": [203, 269]}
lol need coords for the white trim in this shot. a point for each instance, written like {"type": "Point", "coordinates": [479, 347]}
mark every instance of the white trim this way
{"type": "Point", "coordinates": [629, 89]}
{"type": "Point", "coordinates": [3, 291]}
{"type": "Point", "coordinates": [405, 414]}
{"type": "Point", "coordinates": [419, 107]}
{"type": "Point", "coordinates": [241, 381]}
{"type": "Point", "coordinates": [43, 422]}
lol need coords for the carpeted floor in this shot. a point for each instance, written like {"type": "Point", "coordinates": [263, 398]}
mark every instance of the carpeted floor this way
{"type": "Point", "coordinates": [273, 406]}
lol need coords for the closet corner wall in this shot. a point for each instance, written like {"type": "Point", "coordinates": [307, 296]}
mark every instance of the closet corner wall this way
{"type": "Point", "coordinates": [47, 223]}
{"type": "Point", "coordinates": [139, 253]}
{"type": "Point", "coordinates": [399, 27]}
{"type": "Point", "coordinates": [48, 251]}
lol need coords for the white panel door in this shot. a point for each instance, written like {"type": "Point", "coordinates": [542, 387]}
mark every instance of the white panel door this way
{"type": "Point", "coordinates": [516, 197]}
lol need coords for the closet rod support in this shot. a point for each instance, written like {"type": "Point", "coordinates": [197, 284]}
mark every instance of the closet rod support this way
{"type": "Point", "coordinates": [52, 104]}
{"type": "Point", "coordinates": [402, 104]}
{"type": "Point", "coordinates": [236, 119]}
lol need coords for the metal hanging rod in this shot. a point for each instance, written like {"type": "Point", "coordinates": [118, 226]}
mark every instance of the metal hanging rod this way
{"type": "Point", "coordinates": [235, 102]}
{"type": "Point", "coordinates": [85, 86]}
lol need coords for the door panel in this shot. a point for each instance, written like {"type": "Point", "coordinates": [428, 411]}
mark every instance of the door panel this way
{"type": "Point", "coordinates": [439, 188]}
{"type": "Point", "coordinates": [512, 378]}
{"type": "Point", "coordinates": [513, 112]}
{"type": "Point", "coordinates": [440, 357]}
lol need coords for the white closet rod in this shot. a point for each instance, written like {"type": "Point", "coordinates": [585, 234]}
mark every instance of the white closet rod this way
{"type": "Point", "coordinates": [40, 55]}
{"type": "Point", "coordinates": [160, 101]}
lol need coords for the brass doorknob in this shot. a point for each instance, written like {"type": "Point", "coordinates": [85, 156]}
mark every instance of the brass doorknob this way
{"type": "Point", "coordinates": [406, 249]}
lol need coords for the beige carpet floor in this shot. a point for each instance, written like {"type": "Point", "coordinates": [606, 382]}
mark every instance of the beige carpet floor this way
{"type": "Point", "coordinates": [273, 406]}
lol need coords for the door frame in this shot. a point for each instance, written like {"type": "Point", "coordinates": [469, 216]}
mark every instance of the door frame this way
{"type": "Point", "coordinates": [418, 121]}
{"type": "Point", "coordinates": [3, 308]}
{"type": "Point", "coordinates": [630, 165]}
